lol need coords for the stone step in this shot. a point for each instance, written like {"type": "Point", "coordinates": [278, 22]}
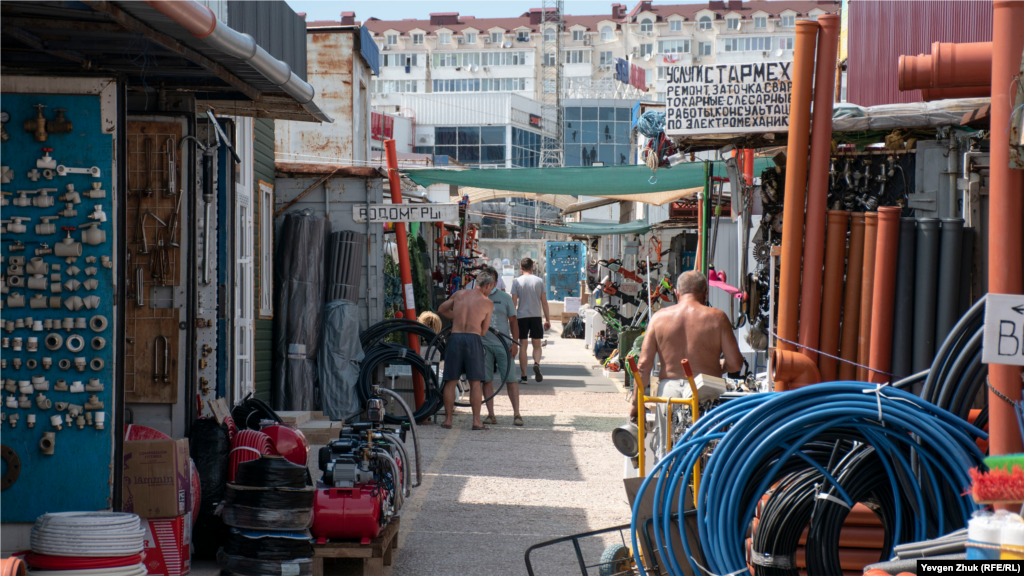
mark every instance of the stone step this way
{"type": "Point", "coordinates": [295, 417]}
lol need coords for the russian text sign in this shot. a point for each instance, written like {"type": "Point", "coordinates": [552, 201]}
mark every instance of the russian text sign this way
{"type": "Point", "coordinates": [728, 98]}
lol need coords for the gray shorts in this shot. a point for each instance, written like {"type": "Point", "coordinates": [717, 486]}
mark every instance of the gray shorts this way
{"type": "Point", "coordinates": [464, 355]}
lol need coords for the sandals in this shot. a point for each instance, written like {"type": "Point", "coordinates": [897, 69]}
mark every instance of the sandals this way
{"type": "Point", "coordinates": [536, 373]}
{"type": "Point", "coordinates": [518, 421]}
{"type": "Point", "coordinates": [446, 426]}
{"type": "Point", "coordinates": [490, 420]}
{"type": "Point", "coordinates": [480, 428]}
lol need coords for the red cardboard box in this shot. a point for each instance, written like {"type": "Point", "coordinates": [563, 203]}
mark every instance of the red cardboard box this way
{"type": "Point", "coordinates": [167, 545]}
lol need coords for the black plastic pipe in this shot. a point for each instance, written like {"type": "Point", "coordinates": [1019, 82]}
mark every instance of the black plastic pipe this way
{"type": "Point", "coordinates": [926, 274]}
{"type": "Point", "coordinates": [950, 265]}
{"type": "Point", "coordinates": [903, 321]}
{"type": "Point", "coordinates": [966, 268]}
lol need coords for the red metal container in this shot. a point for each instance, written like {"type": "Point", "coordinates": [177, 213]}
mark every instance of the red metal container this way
{"type": "Point", "coordinates": [347, 513]}
{"type": "Point", "coordinates": [880, 32]}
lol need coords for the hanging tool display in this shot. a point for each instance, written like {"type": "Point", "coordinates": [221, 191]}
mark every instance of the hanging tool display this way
{"type": "Point", "coordinates": [172, 176]}
{"type": "Point", "coordinates": [862, 183]}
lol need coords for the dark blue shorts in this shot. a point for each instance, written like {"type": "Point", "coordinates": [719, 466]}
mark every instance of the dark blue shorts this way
{"type": "Point", "coordinates": [464, 355]}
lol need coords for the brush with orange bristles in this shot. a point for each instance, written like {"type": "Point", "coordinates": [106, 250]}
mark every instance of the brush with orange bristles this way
{"type": "Point", "coordinates": [1004, 481]}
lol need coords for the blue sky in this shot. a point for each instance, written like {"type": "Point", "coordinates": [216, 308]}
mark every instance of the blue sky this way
{"type": "Point", "coordinates": [396, 10]}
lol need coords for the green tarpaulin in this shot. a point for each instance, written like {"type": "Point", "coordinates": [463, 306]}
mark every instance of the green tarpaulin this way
{"type": "Point", "coordinates": [589, 229]}
{"type": "Point", "coordinates": [589, 181]}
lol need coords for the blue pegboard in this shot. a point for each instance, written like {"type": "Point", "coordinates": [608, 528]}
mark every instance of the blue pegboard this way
{"type": "Point", "coordinates": [79, 474]}
{"type": "Point", "coordinates": [564, 268]}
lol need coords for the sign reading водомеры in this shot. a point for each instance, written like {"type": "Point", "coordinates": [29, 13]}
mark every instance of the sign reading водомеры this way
{"type": "Point", "coordinates": [728, 98]}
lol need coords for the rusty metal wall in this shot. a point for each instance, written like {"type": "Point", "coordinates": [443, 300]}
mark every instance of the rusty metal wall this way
{"type": "Point", "coordinates": [881, 31]}
{"type": "Point", "coordinates": [329, 62]}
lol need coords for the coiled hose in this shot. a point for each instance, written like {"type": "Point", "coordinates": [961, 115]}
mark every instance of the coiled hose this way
{"type": "Point", "coordinates": [375, 335]}
{"type": "Point", "coordinates": [957, 374]}
{"type": "Point", "coordinates": [412, 427]}
{"type": "Point", "coordinates": [385, 353]}
{"type": "Point", "coordinates": [753, 439]}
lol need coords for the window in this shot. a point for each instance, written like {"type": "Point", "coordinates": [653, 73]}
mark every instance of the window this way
{"type": "Point", "coordinates": [749, 44]}
{"type": "Point", "coordinates": [649, 76]}
{"type": "Point", "coordinates": [577, 35]}
{"type": "Point", "coordinates": [704, 23]}
{"type": "Point", "coordinates": [789, 21]}
{"type": "Point", "coordinates": [733, 23]}
{"type": "Point", "coordinates": [496, 58]}
{"type": "Point", "coordinates": [496, 37]}
{"type": "Point", "coordinates": [526, 147]}
{"type": "Point", "coordinates": [606, 58]}
{"type": "Point", "coordinates": [786, 43]}
{"type": "Point", "coordinates": [760, 22]}
{"type": "Point", "coordinates": [673, 46]}
{"type": "Point", "coordinates": [597, 135]}
{"type": "Point", "coordinates": [646, 25]}
{"type": "Point", "coordinates": [392, 39]}
{"type": "Point", "coordinates": [675, 26]}
{"type": "Point", "coordinates": [523, 36]}
{"type": "Point", "coordinates": [549, 34]}
{"type": "Point", "coordinates": [549, 58]}
{"type": "Point", "coordinates": [577, 56]}
{"type": "Point", "coordinates": [662, 73]}
{"type": "Point", "coordinates": [470, 37]}
{"type": "Point", "coordinates": [393, 86]}
{"type": "Point", "coordinates": [400, 60]}
{"type": "Point", "coordinates": [607, 34]}
{"type": "Point", "coordinates": [469, 144]}
{"type": "Point", "coordinates": [646, 49]}
{"type": "Point", "coordinates": [266, 226]}
{"type": "Point", "coordinates": [444, 38]}
{"type": "Point", "coordinates": [704, 48]}
{"type": "Point", "coordinates": [417, 39]}
{"type": "Point", "coordinates": [480, 85]}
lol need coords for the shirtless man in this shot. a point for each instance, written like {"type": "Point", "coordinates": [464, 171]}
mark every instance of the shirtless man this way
{"type": "Point", "coordinates": [690, 330]}
{"type": "Point", "coordinates": [470, 313]}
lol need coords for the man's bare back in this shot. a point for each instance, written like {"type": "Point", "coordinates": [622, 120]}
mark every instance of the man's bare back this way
{"type": "Point", "coordinates": [695, 332]}
{"type": "Point", "coordinates": [471, 313]}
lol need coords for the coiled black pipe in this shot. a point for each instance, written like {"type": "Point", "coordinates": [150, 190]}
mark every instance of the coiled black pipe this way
{"type": "Point", "coordinates": [440, 342]}
{"type": "Point", "coordinates": [396, 353]}
{"type": "Point", "coordinates": [375, 335]}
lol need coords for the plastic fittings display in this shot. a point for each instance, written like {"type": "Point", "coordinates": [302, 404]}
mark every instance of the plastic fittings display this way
{"type": "Point", "coordinates": [97, 364]}
{"type": "Point", "coordinates": [49, 439]}
{"type": "Point", "coordinates": [98, 323]}
{"type": "Point", "coordinates": [98, 342]}
{"type": "Point", "coordinates": [56, 421]}
{"type": "Point", "coordinates": [76, 386]}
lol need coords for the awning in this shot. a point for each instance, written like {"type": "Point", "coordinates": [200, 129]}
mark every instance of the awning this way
{"type": "Point", "coordinates": [596, 229]}
{"type": "Point", "coordinates": [590, 181]}
{"type": "Point", "coordinates": [655, 199]}
{"type": "Point", "coordinates": [477, 195]}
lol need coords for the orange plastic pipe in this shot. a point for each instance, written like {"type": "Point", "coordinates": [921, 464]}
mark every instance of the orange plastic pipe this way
{"type": "Point", "coordinates": [849, 558]}
{"type": "Point", "coordinates": [748, 166]}
{"type": "Point", "coordinates": [884, 297]}
{"type": "Point", "coordinates": [1006, 194]}
{"type": "Point", "coordinates": [851, 300]}
{"type": "Point", "coordinates": [832, 297]}
{"type": "Point", "coordinates": [419, 391]}
{"type": "Point", "coordinates": [948, 66]}
{"type": "Point", "coordinates": [796, 182]}
{"type": "Point", "coordinates": [867, 293]}
{"type": "Point", "coordinates": [856, 537]}
{"type": "Point", "coordinates": [817, 186]}
{"type": "Point", "coordinates": [793, 370]}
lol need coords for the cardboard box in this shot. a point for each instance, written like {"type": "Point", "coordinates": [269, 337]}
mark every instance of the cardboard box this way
{"type": "Point", "coordinates": [167, 545]}
{"type": "Point", "coordinates": [566, 316]}
{"type": "Point", "coordinates": [572, 305]}
{"type": "Point", "coordinates": [157, 478]}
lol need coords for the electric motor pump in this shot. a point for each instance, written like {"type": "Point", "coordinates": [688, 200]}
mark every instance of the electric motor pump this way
{"type": "Point", "coordinates": [362, 486]}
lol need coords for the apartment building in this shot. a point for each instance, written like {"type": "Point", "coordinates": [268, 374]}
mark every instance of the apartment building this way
{"type": "Point", "coordinates": [460, 56]}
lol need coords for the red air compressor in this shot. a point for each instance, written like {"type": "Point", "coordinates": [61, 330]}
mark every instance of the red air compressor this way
{"type": "Point", "coordinates": [362, 486]}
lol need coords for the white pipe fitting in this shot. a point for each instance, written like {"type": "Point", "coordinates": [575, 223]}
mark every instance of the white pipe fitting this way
{"type": "Point", "coordinates": [49, 439]}
{"type": "Point", "coordinates": [98, 323]}
{"type": "Point", "coordinates": [12, 402]}
{"type": "Point", "coordinates": [36, 266]}
{"type": "Point", "coordinates": [68, 324]}
{"type": "Point", "coordinates": [55, 287]}
{"type": "Point", "coordinates": [106, 262]}
{"type": "Point", "coordinates": [80, 323]}
{"type": "Point", "coordinates": [25, 387]}
{"type": "Point", "coordinates": [47, 362]}
{"type": "Point", "coordinates": [13, 420]}
{"type": "Point", "coordinates": [43, 402]}
{"type": "Point", "coordinates": [61, 386]}
{"type": "Point", "coordinates": [76, 387]}
{"type": "Point", "coordinates": [98, 214]}
{"type": "Point", "coordinates": [68, 248]}
{"type": "Point", "coordinates": [98, 342]}
{"type": "Point", "coordinates": [72, 285]}
{"type": "Point", "coordinates": [40, 383]}
{"type": "Point", "coordinates": [92, 235]}
{"type": "Point", "coordinates": [75, 343]}
{"type": "Point", "coordinates": [96, 191]}
{"type": "Point", "coordinates": [23, 402]}
{"type": "Point", "coordinates": [68, 211]}
{"type": "Point", "coordinates": [91, 302]}
{"type": "Point", "coordinates": [55, 303]}
{"type": "Point", "coordinates": [5, 342]}
{"type": "Point", "coordinates": [16, 362]}
{"type": "Point", "coordinates": [17, 344]}
{"type": "Point", "coordinates": [74, 303]}
{"type": "Point", "coordinates": [37, 302]}
{"type": "Point", "coordinates": [30, 363]}
{"type": "Point", "coordinates": [94, 403]}
{"type": "Point", "coordinates": [16, 300]}
{"type": "Point", "coordinates": [100, 418]}
{"type": "Point", "coordinates": [91, 270]}
{"type": "Point", "coordinates": [94, 385]}
{"type": "Point", "coordinates": [56, 421]}
{"type": "Point", "coordinates": [33, 344]}
{"type": "Point", "coordinates": [19, 322]}
{"type": "Point", "coordinates": [72, 270]}
{"type": "Point", "coordinates": [97, 364]}
{"type": "Point", "coordinates": [74, 410]}
{"type": "Point", "coordinates": [9, 326]}
{"type": "Point", "coordinates": [91, 284]}
{"type": "Point", "coordinates": [37, 326]}
{"type": "Point", "coordinates": [30, 419]}
{"type": "Point", "coordinates": [15, 280]}
{"type": "Point", "coordinates": [80, 364]}
{"type": "Point", "coordinates": [64, 364]}
{"type": "Point", "coordinates": [37, 282]}
{"type": "Point", "coordinates": [53, 341]}
{"type": "Point", "coordinates": [10, 385]}
{"type": "Point", "coordinates": [80, 422]}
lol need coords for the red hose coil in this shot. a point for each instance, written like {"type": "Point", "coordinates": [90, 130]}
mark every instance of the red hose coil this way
{"type": "Point", "coordinates": [247, 445]}
{"type": "Point", "coordinates": [46, 562]}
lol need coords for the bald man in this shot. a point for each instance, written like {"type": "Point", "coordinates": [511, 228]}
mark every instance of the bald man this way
{"type": "Point", "coordinates": [691, 330]}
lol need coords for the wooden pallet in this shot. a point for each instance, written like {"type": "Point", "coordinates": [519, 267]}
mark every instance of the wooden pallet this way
{"type": "Point", "coordinates": [374, 554]}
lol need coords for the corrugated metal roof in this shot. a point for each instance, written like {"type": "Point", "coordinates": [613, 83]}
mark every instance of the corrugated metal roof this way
{"type": "Point", "coordinates": [880, 31]}
{"type": "Point", "coordinates": [275, 27]}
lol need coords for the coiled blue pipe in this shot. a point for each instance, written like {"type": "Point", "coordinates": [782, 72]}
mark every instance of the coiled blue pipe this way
{"type": "Point", "coordinates": [748, 430]}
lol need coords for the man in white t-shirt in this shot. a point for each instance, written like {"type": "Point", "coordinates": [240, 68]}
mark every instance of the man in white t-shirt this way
{"type": "Point", "coordinates": [530, 297]}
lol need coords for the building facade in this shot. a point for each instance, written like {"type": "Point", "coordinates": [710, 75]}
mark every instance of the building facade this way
{"type": "Point", "coordinates": [453, 53]}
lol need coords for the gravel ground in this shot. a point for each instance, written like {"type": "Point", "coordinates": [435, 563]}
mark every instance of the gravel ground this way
{"type": "Point", "coordinates": [489, 495]}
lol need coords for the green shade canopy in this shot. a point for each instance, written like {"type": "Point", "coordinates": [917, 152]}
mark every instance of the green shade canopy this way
{"type": "Point", "coordinates": [596, 229]}
{"type": "Point", "coordinates": [589, 181]}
